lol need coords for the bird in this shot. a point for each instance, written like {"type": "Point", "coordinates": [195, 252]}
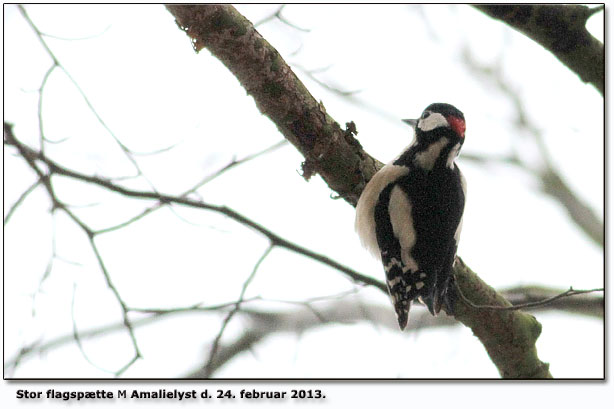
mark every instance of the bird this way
{"type": "Point", "coordinates": [410, 213]}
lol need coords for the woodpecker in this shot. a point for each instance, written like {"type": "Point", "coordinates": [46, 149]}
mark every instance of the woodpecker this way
{"type": "Point", "coordinates": [409, 214]}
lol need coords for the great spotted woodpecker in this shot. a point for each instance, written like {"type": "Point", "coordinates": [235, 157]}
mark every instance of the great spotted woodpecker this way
{"type": "Point", "coordinates": [410, 213]}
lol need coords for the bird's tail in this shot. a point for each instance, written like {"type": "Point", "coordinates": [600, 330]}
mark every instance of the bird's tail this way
{"type": "Point", "coordinates": [401, 308]}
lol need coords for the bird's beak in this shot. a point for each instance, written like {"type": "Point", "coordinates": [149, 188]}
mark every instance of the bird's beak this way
{"type": "Point", "coordinates": [410, 122]}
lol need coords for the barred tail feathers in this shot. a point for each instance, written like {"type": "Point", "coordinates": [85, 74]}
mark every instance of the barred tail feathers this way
{"type": "Point", "coordinates": [405, 285]}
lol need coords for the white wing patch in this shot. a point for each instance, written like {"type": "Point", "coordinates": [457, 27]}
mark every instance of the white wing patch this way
{"type": "Point", "coordinates": [402, 222]}
{"type": "Point", "coordinates": [365, 209]}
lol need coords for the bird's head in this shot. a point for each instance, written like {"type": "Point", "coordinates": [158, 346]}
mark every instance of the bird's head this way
{"type": "Point", "coordinates": [439, 120]}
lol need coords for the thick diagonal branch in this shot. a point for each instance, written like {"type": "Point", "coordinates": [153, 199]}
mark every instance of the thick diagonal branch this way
{"type": "Point", "coordinates": [508, 336]}
{"type": "Point", "coordinates": [328, 150]}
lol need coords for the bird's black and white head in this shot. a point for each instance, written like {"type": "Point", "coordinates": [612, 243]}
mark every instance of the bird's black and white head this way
{"type": "Point", "coordinates": [440, 134]}
{"type": "Point", "coordinates": [439, 120]}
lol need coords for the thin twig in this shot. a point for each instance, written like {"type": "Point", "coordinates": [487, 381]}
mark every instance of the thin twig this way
{"type": "Point", "coordinates": [333, 89]}
{"type": "Point", "coordinates": [76, 336]}
{"type": "Point", "coordinates": [568, 293]}
{"type": "Point", "coordinates": [200, 184]}
{"type": "Point", "coordinates": [235, 163]}
{"type": "Point", "coordinates": [229, 316]}
{"type": "Point", "coordinates": [29, 156]}
{"type": "Point", "coordinates": [163, 198]}
{"type": "Point", "coordinates": [552, 183]}
{"type": "Point", "coordinates": [90, 37]}
{"type": "Point", "coordinates": [270, 16]}
{"type": "Point", "coordinates": [289, 23]}
{"type": "Point", "coordinates": [197, 307]}
{"type": "Point", "coordinates": [374, 313]}
{"type": "Point", "coordinates": [127, 151]}
{"type": "Point", "coordinates": [120, 300]}
{"type": "Point", "coordinates": [280, 17]}
{"type": "Point", "coordinates": [41, 89]}
{"type": "Point", "coordinates": [18, 202]}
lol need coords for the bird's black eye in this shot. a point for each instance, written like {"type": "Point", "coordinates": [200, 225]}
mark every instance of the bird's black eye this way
{"type": "Point", "coordinates": [425, 114]}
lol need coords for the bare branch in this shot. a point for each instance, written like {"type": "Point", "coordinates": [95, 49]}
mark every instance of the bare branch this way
{"type": "Point", "coordinates": [20, 200]}
{"type": "Point", "coordinates": [343, 164]}
{"type": "Point", "coordinates": [532, 304]}
{"type": "Point", "coordinates": [235, 163]}
{"type": "Point", "coordinates": [30, 155]}
{"type": "Point", "coordinates": [328, 150]}
{"type": "Point", "coordinates": [154, 315]}
{"type": "Point", "coordinates": [329, 310]}
{"type": "Point", "coordinates": [27, 155]}
{"type": "Point", "coordinates": [509, 337]}
{"type": "Point", "coordinates": [90, 37]}
{"type": "Point", "coordinates": [56, 63]}
{"type": "Point", "coordinates": [584, 216]}
{"type": "Point", "coordinates": [585, 304]}
{"type": "Point", "coordinates": [216, 341]}
{"type": "Point", "coordinates": [270, 17]}
{"type": "Point", "coordinates": [124, 307]}
{"type": "Point", "coordinates": [289, 23]}
{"type": "Point", "coordinates": [200, 184]}
{"type": "Point", "coordinates": [280, 95]}
{"type": "Point", "coordinates": [280, 17]}
{"type": "Point", "coordinates": [332, 88]}
{"type": "Point", "coordinates": [259, 325]}
{"type": "Point", "coordinates": [192, 308]}
{"type": "Point", "coordinates": [41, 128]}
{"type": "Point", "coordinates": [561, 29]}
{"type": "Point", "coordinates": [76, 336]}
{"type": "Point", "coordinates": [552, 183]}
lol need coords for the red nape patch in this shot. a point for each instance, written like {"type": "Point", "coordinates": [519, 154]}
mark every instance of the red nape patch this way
{"type": "Point", "coordinates": [458, 125]}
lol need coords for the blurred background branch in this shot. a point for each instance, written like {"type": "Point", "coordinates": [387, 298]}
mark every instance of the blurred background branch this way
{"type": "Point", "coordinates": [544, 170]}
{"type": "Point", "coordinates": [258, 323]}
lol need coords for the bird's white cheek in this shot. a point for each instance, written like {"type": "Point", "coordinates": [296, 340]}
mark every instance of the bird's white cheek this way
{"type": "Point", "coordinates": [434, 120]}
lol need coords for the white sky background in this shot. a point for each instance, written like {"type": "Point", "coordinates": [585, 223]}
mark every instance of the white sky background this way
{"type": "Point", "coordinates": [142, 76]}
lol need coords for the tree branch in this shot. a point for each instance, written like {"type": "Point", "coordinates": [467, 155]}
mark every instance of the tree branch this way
{"type": "Point", "coordinates": [328, 150]}
{"type": "Point", "coordinates": [340, 311]}
{"type": "Point", "coordinates": [27, 154]}
{"type": "Point", "coordinates": [561, 29]}
{"type": "Point", "coordinates": [536, 303]}
{"type": "Point", "coordinates": [216, 342]}
{"type": "Point", "coordinates": [262, 324]}
{"type": "Point", "coordinates": [544, 299]}
{"type": "Point", "coordinates": [508, 336]}
{"type": "Point", "coordinates": [584, 304]}
{"type": "Point", "coordinates": [31, 155]}
{"type": "Point", "coordinates": [20, 200]}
